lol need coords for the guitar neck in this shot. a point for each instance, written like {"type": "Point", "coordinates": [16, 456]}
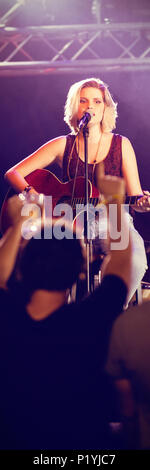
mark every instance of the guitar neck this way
{"type": "Point", "coordinates": [131, 200]}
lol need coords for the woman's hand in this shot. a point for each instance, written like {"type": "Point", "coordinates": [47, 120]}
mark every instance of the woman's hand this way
{"type": "Point", "coordinates": [143, 203]}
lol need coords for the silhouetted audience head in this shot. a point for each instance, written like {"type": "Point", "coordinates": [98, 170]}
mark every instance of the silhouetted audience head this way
{"type": "Point", "coordinates": [50, 264]}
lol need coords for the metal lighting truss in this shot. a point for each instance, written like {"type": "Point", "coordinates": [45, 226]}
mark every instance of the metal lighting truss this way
{"type": "Point", "coordinates": [73, 48]}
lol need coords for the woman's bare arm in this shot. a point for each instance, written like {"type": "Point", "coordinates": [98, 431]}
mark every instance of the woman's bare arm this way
{"type": "Point", "coordinates": [131, 176]}
{"type": "Point", "coordinates": [52, 150]}
{"type": "Point", "coordinates": [130, 169]}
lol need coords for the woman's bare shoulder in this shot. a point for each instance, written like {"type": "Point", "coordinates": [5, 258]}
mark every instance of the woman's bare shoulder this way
{"type": "Point", "coordinates": [57, 144]}
{"type": "Point", "coordinates": [55, 148]}
{"type": "Point", "coordinates": [126, 141]}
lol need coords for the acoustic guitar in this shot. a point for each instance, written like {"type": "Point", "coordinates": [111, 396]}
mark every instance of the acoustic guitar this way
{"type": "Point", "coordinates": [45, 182]}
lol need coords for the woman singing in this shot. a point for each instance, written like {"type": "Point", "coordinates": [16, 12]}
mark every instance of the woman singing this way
{"type": "Point", "coordinates": [92, 96]}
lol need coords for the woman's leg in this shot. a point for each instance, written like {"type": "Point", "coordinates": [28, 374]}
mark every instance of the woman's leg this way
{"type": "Point", "coordinates": [139, 260]}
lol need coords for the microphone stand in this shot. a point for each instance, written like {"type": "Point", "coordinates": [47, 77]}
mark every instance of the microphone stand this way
{"type": "Point", "coordinates": [88, 242]}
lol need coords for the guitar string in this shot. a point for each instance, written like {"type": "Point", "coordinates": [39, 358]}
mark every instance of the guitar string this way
{"type": "Point", "coordinates": [70, 157]}
{"type": "Point", "coordinates": [95, 162]}
{"type": "Point", "coordinates": [77, 164]}
{"type": "Point", "coordinates": [76, 170]}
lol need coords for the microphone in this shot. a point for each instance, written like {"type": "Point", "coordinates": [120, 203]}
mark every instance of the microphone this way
{"type": "Point", "coordinates": [84, 120]}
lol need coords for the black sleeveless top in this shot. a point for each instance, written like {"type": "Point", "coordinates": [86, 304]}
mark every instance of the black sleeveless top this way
{"type": "Point", "coordinates": [73, 165]}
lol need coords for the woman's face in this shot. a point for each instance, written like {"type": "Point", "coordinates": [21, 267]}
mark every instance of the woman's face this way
{"type": "Point", "coordinates": [91, 100]}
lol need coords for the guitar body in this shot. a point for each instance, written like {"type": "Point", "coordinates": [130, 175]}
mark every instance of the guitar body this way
{"type": "Point", "coordinates": [45, 182]}
{"type": "Point", "coordinates": [72, 192]}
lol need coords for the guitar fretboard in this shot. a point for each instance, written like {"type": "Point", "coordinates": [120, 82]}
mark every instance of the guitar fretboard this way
{"type": "Point", "coordinates": [131, 200]}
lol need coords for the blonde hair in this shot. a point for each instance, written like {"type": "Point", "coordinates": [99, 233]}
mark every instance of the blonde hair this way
{"type": "Point", "coordinates": [73, 99]}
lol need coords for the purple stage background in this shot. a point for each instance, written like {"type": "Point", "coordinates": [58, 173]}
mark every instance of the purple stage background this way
{"type": "Point", "coordinates": [32, 113]}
